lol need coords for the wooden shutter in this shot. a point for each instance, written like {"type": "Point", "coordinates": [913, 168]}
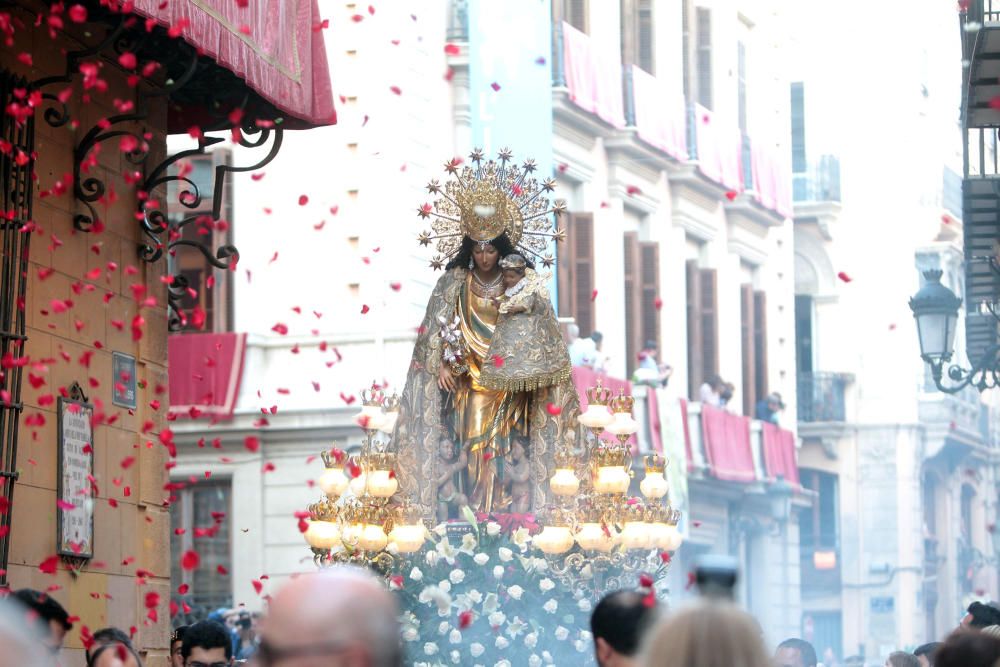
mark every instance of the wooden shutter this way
{"type": "Point", "coordinates": [760, 342]}
{"type": "Point", "coordinates": [575, 13]}
{"type": "Point", "coordinates": [576, 271]}
{"type": "Point", "coordinates": [748, 345]}
{"type": "Point", "coordinates": [645, 51]}
{"type": "Point", "coordinates": [741, 85]}
{"type": "Point", "coordinates": [703, 35]}
{"type": "Point", "coordinates": [633, 305]}
{"type": "Point", "coordinates": [709, 322]}
{"type": "Point", "coordinates": [686, 46]}
{"type": "Point", "coordinates": [649, 289]}
{"type": "Point", "coordinates": [694, 330]}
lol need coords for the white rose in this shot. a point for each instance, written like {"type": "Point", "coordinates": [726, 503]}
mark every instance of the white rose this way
{"type": "Point", "coordinates": [580, 645]}
{"type": "Point", "coordinates": [457, 576]}
{"type": "Point", "coordinates": [443, 627]}
{"type": "Point", "coordinates": [503, 663]}
{"type": "Point", "coordinates": [521, 537]}
{"type": "Point", "coordinates": [476, 649]}
{"type": "Point", "coordinates": [431, 558]}
{"type": "Point", "coordinates": [546, 585]}
{"type": "Point", "coordinates": [430, 648]}
{"type": "Point", "coordinates": [498, 572]}
{"type": "Point", "coordinates": [456, 657]}
{"type": "Point", "coordinates": [455, 637]}
{"type": "Point", "coordinates": [547, 657]}
{"type": "Point", "coordinates": [497, 618]}
{"type": "Point", "coordinates": [551, 606]}
{"type": "Point", "coordinates": [515, 591]}
{"type": "Point", "coordinates": [505, 554]}
{"type": "Point", "coordinates": [586, 636]}
{"type": "Point", "coordinates": [531, 639]}
{"type": "Point", "coordinates": [416, 574]}
{"type": "Point", "coordinates": [534, 660]}
{"type": "Point", "coordinates": [481, 559]}
{"type": "Point", "coordinates": [475, 596]}
{"type": "Point", "coordinates": [502, 643]}
{"type": "Point", "coordinates": [492, 528]}
{"type": "Point", "coordinates": [445, 585]}
{"type": "Point", "coordinates": [410, 634]}
{"type": "Point", "coordinates": [469, 543]}
{"type": "Point", "coordinates": [541, 565]}
{"type": "Point", "coordinates": [561, 633]}
{"type": "Point", "coordinates": [584, 605]}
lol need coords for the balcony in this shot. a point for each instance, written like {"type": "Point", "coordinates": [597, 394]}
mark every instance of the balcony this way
{"type": "Point", "coordinates": [819, 182]}
{"type": "Point", "coordinates": [981, 50]}
{"type": "Point", "coordinates": [587, 81]}
{"type": "Point", "coordinates": [822, 397]}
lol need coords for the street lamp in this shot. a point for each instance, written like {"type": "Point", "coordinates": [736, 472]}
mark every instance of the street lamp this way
{"type": "Point", "coordinates": [935, 309]}
{"type": "Point", "coordinates": [780, 494]}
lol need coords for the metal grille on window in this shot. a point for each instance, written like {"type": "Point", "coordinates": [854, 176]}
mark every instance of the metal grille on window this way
{"type": "Point", "coordinates": [15, 212]}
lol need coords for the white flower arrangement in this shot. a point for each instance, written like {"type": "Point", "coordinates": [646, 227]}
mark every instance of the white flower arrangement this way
{"type": "Point", "coordinates": [481, 559]}
{"type": "Point", "coordinates": [515, 591]}
{"type": "Point", "coordinates": [476, 649]}
{"type": "Point", "coordinates": [551, 606]}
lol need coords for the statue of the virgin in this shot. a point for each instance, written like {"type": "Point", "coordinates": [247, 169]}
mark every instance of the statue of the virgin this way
{"type": "Point", "coordinates": [485, 406]}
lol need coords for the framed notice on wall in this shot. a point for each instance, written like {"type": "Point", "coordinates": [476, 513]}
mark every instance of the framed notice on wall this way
{"type": "Point", "coordinates": [75, 493]}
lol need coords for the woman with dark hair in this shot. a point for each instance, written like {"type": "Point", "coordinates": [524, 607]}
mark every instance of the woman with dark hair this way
{"type": "Point", "coordinates": [491, 210]}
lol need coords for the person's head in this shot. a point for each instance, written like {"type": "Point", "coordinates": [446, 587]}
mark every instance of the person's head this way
{"type": "Point", "coordinates": [774, 403]}
{"type": "Point", "coordinates": [341, 617]}
{"type": "Point", "coordinates": [114, 654]}
{"type": "Point", "coordinates": [980, 615]}
{"type": "Point", "coordinates": [446, 449]}
{"type": "Point", "coordinates": [598, 338]}
{"type": "Point", "coordinates": [207, 644]}
{"type": "Point", "coordinates": [715, 382]}
{"type": "Point", "coordinates": [795, 652]}
{"type": "Point", "coordinates": [517, 449]}
{"type": "Point", "coordinates": [705, 634]}
{"type": "Point", "coordinates": [968, 649]}
{"type": "Point", "coordinates": [106, 636]}
{"type": "Point", "coordinates": [901, 659]}
{"type": "Point", "coordinates": [176, 640]}
{"type": "Point", "coordinates": [925, 653]}
{"type": "Point", "coordinates": [46, 611]}
{"type": "Point", "coordinates": [23, 638]}
{"type": "Point", "coordinates": [513, 267]}
{"type": "Point", "coordinates": [618, 623]}
{"type": "Point", "coordinates": [484, 256]}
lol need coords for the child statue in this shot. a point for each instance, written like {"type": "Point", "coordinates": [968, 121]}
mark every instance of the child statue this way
{"type": "Point", "coordinates": [517, 471]}
{"type": "Point", "coordinates": [448, 494]}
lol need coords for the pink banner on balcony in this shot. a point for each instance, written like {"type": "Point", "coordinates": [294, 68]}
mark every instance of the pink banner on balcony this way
{"type": "Point", "coordinates": [584, 378]}
{"type": "Point", "coordinates": [276, 46]}
{"type": "Point", "coordinates": [779, 453]}
{"type": "Point", "coordinates": [719, 149]}
{"type": "Point", "coordinates": [660, 114]}
{"type": "Point", "coordinates": [205, 372]}
{"type": "Point", "coordinates": [727, 445]}
{"type": "Point", "coordinates": [772, 179]}
{"type": "Point", "coordinates": [593, 76]}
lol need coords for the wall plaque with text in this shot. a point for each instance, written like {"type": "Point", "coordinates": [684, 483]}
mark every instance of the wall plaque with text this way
{"type": "Point", "coordinates": [123, 380]}
{"type": "Point", "coordinates": [75, 493]}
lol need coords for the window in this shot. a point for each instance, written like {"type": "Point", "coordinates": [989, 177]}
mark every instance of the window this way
{"type": "Point", "coordinates": [703, 60]}
{"type": "Point", "coordinates": [754, 347]}
{"type": "Point", "coordinates": [798, 128]}
{"type": "Point", "coordinates": [803, 334]}
{"type": "Point", "coordinates": [573, 12]}
{"type": "Point", "coordinates": [818, 526]}
{"type": "Point", "coordinates": [702, 325]}
{"type": "Point", "coordinates": [197, 509]}
{"type": "Point", "coordinates": [576, 271]}
{"type": "Point", "coordinates": [741, 85]}
{"type": "Point", "coordinates": [637, 34]}
{"type": "Point", "coordinates": [642, 277]}
{"type": "Point", "coordinates": [207, 292]}
{"type": "Point", "coordinates": [686, 48]}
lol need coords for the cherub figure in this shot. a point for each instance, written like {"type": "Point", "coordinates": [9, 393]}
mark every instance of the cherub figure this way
{"type": "Point", "coordinates": [517, 473]}
{"type": "Point", "coordinates": [448, 494]}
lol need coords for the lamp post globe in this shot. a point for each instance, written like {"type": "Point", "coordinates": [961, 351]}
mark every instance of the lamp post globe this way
{"type": "Point", "coordinates": [935, 309]}
{"type": "Point", "coordinates": [780, 494]}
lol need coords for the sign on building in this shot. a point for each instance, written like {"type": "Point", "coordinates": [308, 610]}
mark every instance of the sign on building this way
{"type": "Point", "coordinates": [75, 493]}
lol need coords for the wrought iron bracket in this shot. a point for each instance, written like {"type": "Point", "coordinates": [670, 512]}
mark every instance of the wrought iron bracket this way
{"type": "Point", "coordinates": [984, 374]}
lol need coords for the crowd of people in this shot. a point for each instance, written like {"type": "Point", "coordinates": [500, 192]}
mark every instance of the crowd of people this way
{"type": "Point", "coordinates": [346, 617]}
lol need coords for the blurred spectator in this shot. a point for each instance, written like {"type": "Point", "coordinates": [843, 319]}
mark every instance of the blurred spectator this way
{"type": "Point", "coordinates": [601, 360]}
{"type": "Point", "coordinates": [992, 631]}
{"type": "Point", "coordinates": [582, 351]}
{"type": "Point", "coordinates": [706, 634]}
{"type": "Point", "coordinates": [22, 641]}
{"type": "Point", "coordinates": [726, 394]}
{"type": "Point", "coordinates": [105, 637]}
{"type": "Point", "coordinates": [980, 615]}
{"type": "Point", "coordinates": [618, 623]}
{"type": "Point", "coordinates": [176, 640]}
{"type": "Point", "coordinates": [901, 659]}
{"type": "Point", "coordinates": [49, 613]}
{"type": "Point", "coordinates": [246, 636]}
{"type": "Point", "coordinates": [968, 649]}
{"type": "Point", "coordinates": [207, 644]}
{"type": "Point", "coordinates": [649, 370]}
{"type": "Point", "coordinates": [854, 661]}
{"type": "Point", "coordinates": [710, 392]}
{"type": "Point", "coordinates": [340, 616]}
{"type": "Point", "coordinates": [795, 652]}
{"type": "Point", "coordinates": [769, 407]}
{"type": "Point", "coordinates": [114, 654]}
{"type": "Point", "coordinates": [925, 653]}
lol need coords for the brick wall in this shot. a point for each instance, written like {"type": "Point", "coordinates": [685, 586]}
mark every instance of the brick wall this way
{"type": "Point", "coordinates": [105, 592]}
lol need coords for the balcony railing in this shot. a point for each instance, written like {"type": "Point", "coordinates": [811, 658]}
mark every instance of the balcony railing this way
{"type": "Point", "coordinates": [819, 182]}
{"type": "Point", "coordinates": [821, 397]}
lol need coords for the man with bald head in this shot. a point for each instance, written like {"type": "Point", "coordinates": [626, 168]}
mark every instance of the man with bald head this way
{"type": "Point", "coordinates": [340, 617]}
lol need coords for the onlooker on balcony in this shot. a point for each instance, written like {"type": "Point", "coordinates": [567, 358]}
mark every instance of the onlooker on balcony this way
{"type": "Point", "coordinates": [710, 392]}
{"type": "Point", "coordinates": [769, 407]}
{"type": "Point", "coordinates": [601, 360]}
{"type": "Point", "coordinates": [582, 351]}
{"type": "Point", "coordinates": [649, 370]}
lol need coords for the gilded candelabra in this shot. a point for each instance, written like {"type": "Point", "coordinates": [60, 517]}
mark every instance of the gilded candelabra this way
{"type": "Point", "coordinates": [363, 518]}
{"type": "Point", "coordinates": [595, 533]}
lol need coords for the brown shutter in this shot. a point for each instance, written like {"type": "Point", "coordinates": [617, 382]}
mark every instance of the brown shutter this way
{"type": "Point", "coordinates": [696, 362]}
{"type": "Point", "coordinates": [583, 272]}
{"type": "Point", "coordinates": [644, 36]}
{"type": "Point", "coordinates": [709, 322]}
{"type": "Point", "coordinates": [628, 32]}
{"type": "Point", "coordinates": [760, 342]}
{"type": "Point", "coordinates": [703, 36]}
{"type": "Point", "coordinates": [575, 13]}
{"type": "Point", "coordinates": [565, 263]}
{"type": "Point", "coordinates": [633, 328]}
{"type": "Point", "coordinates": [748, 345]}
{"type": "Point", "coordinates": [650, 284]}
